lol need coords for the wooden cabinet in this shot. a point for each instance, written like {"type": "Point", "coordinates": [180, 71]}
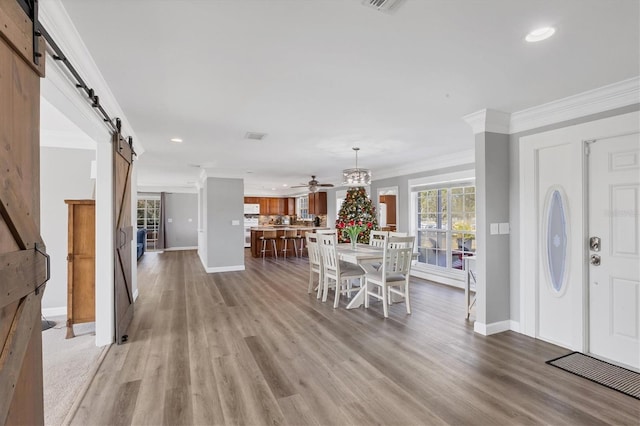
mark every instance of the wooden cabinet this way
{"type": "Point", "coordinates": [81, 263]}
{"type": "Point", "coordinates": [390, 201]}
{"type": "Point", "coordinates": [273, 205]}
{"type": "Point", "coordinates": [291, 206]}
{"type": "Point", "coordinates": [317, 203]}
{"type": "Point", "coordinates": [264, 206]}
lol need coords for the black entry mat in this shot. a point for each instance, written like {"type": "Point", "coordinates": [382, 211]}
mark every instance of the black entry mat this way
{"type": "Point", "coordinates": [609, 375]}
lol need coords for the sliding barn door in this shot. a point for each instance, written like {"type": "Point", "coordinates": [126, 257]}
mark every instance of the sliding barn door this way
{"type": "Point", "coordinates": [122, 168]}
{"type": "Point", "coordinates": [22, 266]}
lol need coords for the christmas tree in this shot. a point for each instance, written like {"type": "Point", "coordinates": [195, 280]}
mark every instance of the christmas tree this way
{"type": "Point", "coordinates": [356, 210]}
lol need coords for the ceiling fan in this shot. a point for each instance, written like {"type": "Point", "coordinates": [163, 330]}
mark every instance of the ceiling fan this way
{"type": "Point", "coordinates": [314, 185]}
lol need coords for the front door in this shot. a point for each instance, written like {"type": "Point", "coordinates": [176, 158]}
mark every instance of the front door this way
{"type": "Point", "coordinates": [614, 249]}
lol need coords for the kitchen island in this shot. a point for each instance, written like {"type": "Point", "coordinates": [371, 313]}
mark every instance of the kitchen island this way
{"type": "Point", "coordinates": [256, 233]}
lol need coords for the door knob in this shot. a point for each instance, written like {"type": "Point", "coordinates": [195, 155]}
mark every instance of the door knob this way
{"type": "Point", "coordinates": [595, 260]}
{"type": "Point", "coordinates": [594, 243]}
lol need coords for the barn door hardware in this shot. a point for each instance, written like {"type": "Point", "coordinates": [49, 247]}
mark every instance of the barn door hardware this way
{"type": "Point", "coordinates": [48, 266]}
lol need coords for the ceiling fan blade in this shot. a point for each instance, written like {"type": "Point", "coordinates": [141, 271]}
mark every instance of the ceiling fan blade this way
{"type": "Point", "coordinates": [299, 186]}
{"type": "Point", "coordinates": [328, 185]}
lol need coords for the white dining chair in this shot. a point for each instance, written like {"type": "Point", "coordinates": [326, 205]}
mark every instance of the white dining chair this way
{"type": "Point", "coordinates": [315, 262]}
{"type": "Point", "coordinates": [394, 273]}
{"type": "Point", "coordinates": [335, 274]}
{"type": "Point", "coordinates": [378, 238]}
{"type": "Point", "coordinates": [398, 234]}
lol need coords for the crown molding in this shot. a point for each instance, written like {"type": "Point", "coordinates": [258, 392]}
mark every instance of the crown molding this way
{"type": "Point", "coordinates": [167, 188]}
{"type": "Point", "coordinates": [488, 120]}
{"type": "Point", "coordinates": [54, 18]}
{"type": "Point", "coordinates": [606, 98]}
{"type": "Point", "coordinates": [449, 160]}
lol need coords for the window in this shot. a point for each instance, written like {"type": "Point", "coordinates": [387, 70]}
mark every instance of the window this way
{"type": "Point", "coordinates": [148, 217]}
{"type": "Point", "coordinates": [445, 225]}
{"type": "Point", "coordinates": [302, 207]}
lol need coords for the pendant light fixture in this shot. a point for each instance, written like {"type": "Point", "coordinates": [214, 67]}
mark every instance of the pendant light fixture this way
{"type": "Point", "coordinates": [356, 176]}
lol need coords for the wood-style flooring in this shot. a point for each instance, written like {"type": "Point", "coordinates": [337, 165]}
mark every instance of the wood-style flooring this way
{"type": "Point", "coordinates": [254, 348]}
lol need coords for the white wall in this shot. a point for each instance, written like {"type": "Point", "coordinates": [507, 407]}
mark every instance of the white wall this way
{"type": "Point", "coordinates": [64, 174]}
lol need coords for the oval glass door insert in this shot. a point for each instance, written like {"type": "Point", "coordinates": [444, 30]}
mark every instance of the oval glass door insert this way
{"type": "Point", "coordinates": [556, 240]}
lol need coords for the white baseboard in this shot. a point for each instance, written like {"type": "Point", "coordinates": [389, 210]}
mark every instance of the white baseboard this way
{"type": "Point", "coordinates": [493, 328]}
{"type": "Point", "coordinates": [135, 295]}
{"type": "Point", "coordinates": [514, 326]}
{"type": "Point", "coordinates": [54, 312]}
{"type": "Point", "coordinates": [180, 248]}
{"type": "Point", "coordinates": [438, 278]}
{"type": "Point", "coordinates": [224, 268]}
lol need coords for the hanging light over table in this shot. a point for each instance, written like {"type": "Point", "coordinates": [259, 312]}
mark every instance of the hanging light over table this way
{"type": "Point", "coordinates": [356, 176]}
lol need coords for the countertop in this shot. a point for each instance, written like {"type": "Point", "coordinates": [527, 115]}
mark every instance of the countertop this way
{"type": "Point", "coordinates": [285, 227]}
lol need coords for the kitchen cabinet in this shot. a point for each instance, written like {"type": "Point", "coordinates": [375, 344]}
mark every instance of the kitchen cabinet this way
{"type": "Point", "coordinates": [264, 206]}
{"type": "Point", "coordinates": [274, 206]}
{"type": "Point", "coordinates": [318, 203]}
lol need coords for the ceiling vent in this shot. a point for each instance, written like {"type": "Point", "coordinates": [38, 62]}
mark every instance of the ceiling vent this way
{"type": "Point", "coordinates": [387, 6]}
{"type": "Point", "coordinates": [255, 136]}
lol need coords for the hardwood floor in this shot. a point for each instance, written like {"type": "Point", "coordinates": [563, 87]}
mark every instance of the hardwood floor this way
{"type": "Point", "coordinates": [254, 348]}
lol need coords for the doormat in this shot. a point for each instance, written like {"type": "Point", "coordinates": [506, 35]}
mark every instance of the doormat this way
{"type": "Point", "coordinates": [601, 372]}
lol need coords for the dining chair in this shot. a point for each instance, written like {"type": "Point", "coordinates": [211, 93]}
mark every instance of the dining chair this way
{"type": "Point", "coordinates": [398, 234]}
{"type": "Point", "coordinates": [340, 273]}
{"type": "Point", "coordinates": [394, 273]}
{"type": "Point", "coordinates": [269, 235]}
{"type": "Point", "coordinates": [378, 238]}
{"type": "Point", "coordinates": [315, 261]}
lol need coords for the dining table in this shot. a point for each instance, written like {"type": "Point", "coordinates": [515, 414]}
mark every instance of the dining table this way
{"type": "Point", "coordinates": [366, 256]}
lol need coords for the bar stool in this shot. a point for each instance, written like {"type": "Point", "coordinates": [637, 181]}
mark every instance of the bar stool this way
{"type": "Point", "coordinates": [301, 237]}
{"type": "Point", "coordinates": [270, 235]}
{"type": "Point", "coordinates": [289, 235]}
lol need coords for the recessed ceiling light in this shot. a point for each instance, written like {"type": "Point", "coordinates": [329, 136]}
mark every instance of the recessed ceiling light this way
{"type": "Point", "coordinates": [273, 189]}
{"type": "Point", "coordinates": [285, 185]}
{"type": "Point", "coordinates": [176, 140]}
{"type": "Point", "coordinates": [540, 34]}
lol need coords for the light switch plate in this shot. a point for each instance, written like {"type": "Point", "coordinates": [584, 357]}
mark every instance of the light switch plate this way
{"type": "Point", "coordinates": [170, 220]}
{"type": "Point", "coordinates": [493, 229]}
{"type": "Point", "coordinates": [235, 222]}
{"type": "Point", "coordinates": [504, 228]}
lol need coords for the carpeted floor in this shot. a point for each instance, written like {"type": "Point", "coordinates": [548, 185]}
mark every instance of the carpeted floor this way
{"type": "Point", "coordinates": [67, 365]}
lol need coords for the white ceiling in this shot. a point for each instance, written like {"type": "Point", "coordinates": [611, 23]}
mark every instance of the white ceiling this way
{"type": "Point", "coordinates": [320, 77]}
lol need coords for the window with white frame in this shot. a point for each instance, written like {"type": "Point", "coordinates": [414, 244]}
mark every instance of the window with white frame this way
{"type": "Point", "coordinates": [302, 207]}
{"type": "Point", "coordinates": [148, 217]}
{"type": "Point", "coordinates": [445, 224]}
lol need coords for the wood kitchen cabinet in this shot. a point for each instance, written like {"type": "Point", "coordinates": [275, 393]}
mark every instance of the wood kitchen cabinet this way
{"type": "Point", "coordinates": [264, 206]}
{"type": "Point", "coordinates": [81, 263]}
{"type": "Point", "coordinates": [273, 205]}
{"type": "Point", "coordinates": [317, 203]}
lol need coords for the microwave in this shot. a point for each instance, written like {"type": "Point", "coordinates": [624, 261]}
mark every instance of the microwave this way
{"type": "Point", "coordinates": [252, 209]}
